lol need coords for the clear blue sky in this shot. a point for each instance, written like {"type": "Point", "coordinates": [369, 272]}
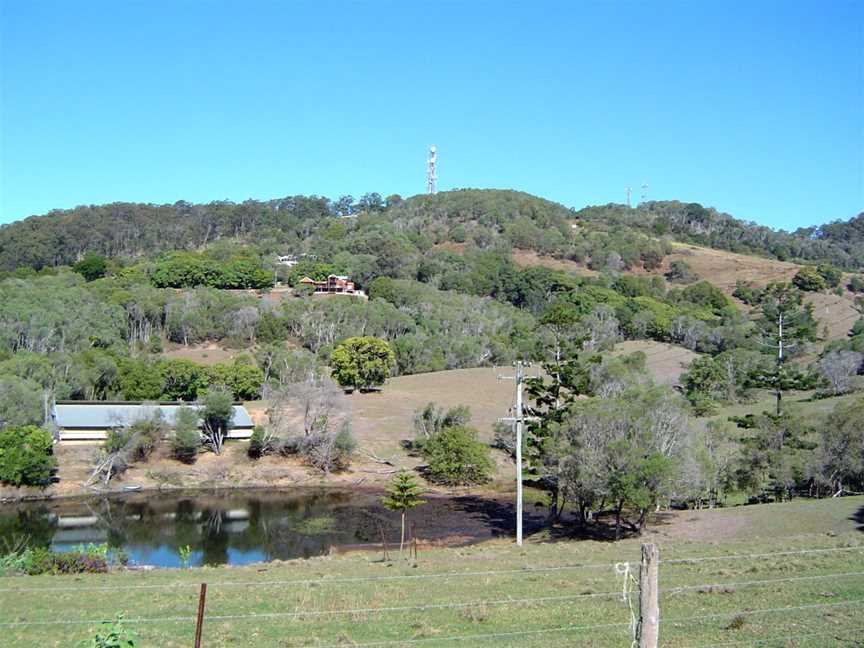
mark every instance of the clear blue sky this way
{"type": "Point", "coordinates": [755, 108]}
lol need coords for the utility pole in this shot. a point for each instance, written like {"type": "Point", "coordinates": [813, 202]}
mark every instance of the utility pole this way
{"type": "Point", "coordinates": [518, 420]}
{"type": "Point", "coordinates": [629, 190]}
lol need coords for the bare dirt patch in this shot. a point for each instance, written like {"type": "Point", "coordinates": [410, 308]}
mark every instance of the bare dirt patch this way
{"type": "Point", "coordinates": [530, 259]}
{"type": "Point", "coordinates": [665, 362]}
{"type": "Point", "coordinates": [206, 354]}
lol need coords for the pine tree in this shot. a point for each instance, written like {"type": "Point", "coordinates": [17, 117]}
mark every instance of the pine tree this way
{"type": "Point", "coordinates": [403, 494]}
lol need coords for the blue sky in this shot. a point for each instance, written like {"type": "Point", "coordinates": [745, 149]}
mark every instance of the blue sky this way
{"type": "Point", "coordinates": [754, 108]}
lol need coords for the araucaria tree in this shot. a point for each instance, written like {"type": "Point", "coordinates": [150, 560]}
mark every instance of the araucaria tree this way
{"type": "Point", "coordinates": [786, 323]}
{"type": "Point", "coordinates": [362, 362]}
{"type": "Point", "coordinates": [403, 494]}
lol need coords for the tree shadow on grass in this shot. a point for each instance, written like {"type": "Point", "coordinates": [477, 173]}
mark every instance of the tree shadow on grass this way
{"type": "Point", "coordinates": [858, 517]}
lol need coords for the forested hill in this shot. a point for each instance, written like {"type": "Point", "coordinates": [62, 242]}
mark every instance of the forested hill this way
{"type": "Point", "coordinates": [610, 236]}
{"type": "Point", "coordinates": [840, 243]}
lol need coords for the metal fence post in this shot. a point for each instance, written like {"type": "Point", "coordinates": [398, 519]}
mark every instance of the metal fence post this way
{"type": "Point", "coordinates": [200, 625]}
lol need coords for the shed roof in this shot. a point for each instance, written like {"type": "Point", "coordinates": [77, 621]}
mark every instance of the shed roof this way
{"type": "Point", "coordinates": [89, 415]}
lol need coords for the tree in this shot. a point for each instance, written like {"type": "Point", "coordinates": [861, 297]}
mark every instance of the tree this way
{"type": "Point", "coordinates": [840, 461]}
{"type": "Point", "coordinates": [20, 402]}
{"type": "Point", "coordinates": [26, 456]}
{"type": "Point", "coordinates": [838, 369]}
{"type": "Point", "coordinates": [91, 267]}
{"type": "Point", "coordinates": [217, 412]}
{"type": "Point", "coordinates": [403, 494]}
{"type": "Point", "coordinates": [809, 279]}
{"type": "Point", "coordinates": [456, 458]}
{"type": "Point", "coordinates": [187, 435]}
{"type": "Point", "coordinates": [787, 323]}
{"type": "Point", "coordinates": [362, 363]}
{"type": "Point", "coordinates": [430, 420]}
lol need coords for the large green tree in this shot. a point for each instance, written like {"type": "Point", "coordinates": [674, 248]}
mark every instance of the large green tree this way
{"type": "Point", "coordinates": [361, 362]}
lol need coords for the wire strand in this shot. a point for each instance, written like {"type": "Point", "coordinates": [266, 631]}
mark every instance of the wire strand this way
{"type": "Point", "coordinates": [311, 613]}
{"type": "Point", "coordinates": [316, 581]}
{"type": "Point", "coordinates": [768, 581]}
{"type": "Point", "coordinates": [777, 638]}
{"type": "Point", "coordinates": [761, 555]}
{"type": "Point", "coordinates": [359, 579]}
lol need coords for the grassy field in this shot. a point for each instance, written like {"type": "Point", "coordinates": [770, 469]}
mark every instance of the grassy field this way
{"type": "Point", "coordinates": [779, 575]}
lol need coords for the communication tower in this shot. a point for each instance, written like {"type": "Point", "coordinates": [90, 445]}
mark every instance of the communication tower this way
{"type": "Point", "coordinates": [644, 192]}
{"type": "Point", "coordinates": [432, 171]}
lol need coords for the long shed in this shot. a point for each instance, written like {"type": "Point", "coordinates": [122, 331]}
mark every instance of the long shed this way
{"type": "Point", "coordinates": [91, 420]}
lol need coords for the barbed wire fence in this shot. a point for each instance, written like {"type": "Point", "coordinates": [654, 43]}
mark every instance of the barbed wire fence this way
{"type": "Point", "coordinates": [639, 597]}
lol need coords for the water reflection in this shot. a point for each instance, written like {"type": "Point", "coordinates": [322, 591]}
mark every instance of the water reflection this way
{"type": "Point", "coordinates": [230, 528]}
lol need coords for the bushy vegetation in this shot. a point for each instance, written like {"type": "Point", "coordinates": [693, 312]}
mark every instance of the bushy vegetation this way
{"type": "Point", "coordinates": [361, 363]}
{"type": "Point", "coordinates": [26, 457]}
{"type": "Point", "coordinates": [83, 559]}
{"type": "Point", "coordinates": [455, 457]}
{"type": "Point", "coordinates": [839, 243]}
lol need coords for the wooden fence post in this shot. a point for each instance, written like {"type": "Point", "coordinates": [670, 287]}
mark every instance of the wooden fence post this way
{"type": "Point", "coordinates": [200, 625]}
{"type": "Point", "coordinates": [649, 609]}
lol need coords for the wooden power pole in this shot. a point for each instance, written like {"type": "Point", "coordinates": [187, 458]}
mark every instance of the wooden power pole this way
{"type": "Point", "coordinates": [649, 609]}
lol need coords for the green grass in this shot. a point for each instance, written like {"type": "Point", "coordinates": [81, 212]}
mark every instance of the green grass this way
{"type": "Point", "coordinates": [580, 577]}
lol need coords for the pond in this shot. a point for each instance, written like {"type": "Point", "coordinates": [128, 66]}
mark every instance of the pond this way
{"type": "Point", "coordinates": [242, 527]}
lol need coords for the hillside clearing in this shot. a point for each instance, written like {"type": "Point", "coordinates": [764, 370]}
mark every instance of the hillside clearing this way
{"type": "Point", "coordinates": [665, 362]}
{"type": "Point", "coordinates": [546, 593]}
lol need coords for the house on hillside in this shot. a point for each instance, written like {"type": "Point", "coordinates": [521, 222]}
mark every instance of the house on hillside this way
{"type": "Point", "coordinates": [333, 285]}
{"type": "Point", "coordinates": [91, 420]}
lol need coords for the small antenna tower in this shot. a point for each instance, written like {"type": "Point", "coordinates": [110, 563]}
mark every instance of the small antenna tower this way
{"type": "Point", "coordinates": [432, 171]}
{"type": "Point", "coordinates": [644, 192]}
{"type": "Point", "coordinates": [628, 196]}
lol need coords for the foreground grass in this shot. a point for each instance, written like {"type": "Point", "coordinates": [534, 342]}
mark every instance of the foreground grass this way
{"type": "Point", "coordinates": [563, 593]}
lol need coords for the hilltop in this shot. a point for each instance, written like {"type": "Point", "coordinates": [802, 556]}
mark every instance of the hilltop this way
{"type": "Point", "coordinates": [480, 218]}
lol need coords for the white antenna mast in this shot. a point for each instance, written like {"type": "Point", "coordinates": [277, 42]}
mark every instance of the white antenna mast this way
{"type": "Point", "coordinates": [628, 196]}
{"type": "Point", "coordinates": [432, 171]}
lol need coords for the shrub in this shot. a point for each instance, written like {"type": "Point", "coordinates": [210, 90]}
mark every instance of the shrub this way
{"type": "Point", "coordinates": [187, 437]}
{"type": "Point", "coordinates": [76, 562]}
{"type": "Point", "coordinates": [116, 439]}
{"type": "Point", "coordinates": [327, 451]}
{"type": "Point", "coordinates": [111, 635]}
{"type": "Point", "coordinates": [856, 284]}
{"type": "Point", "coordinates": [681, 272]}
{"type": "Point", "coordinates": [37, 560]}
{"type": "Point", "coordinates": [262, 443]}
{"type": "Point", "coordinates": [456, 458]}
{"type": "Point", "coordinates": [809, 279]}
{"type": "Point", "coordinates": [830, 274]}
{"type": "Point", "coordinates": [25, 456]}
